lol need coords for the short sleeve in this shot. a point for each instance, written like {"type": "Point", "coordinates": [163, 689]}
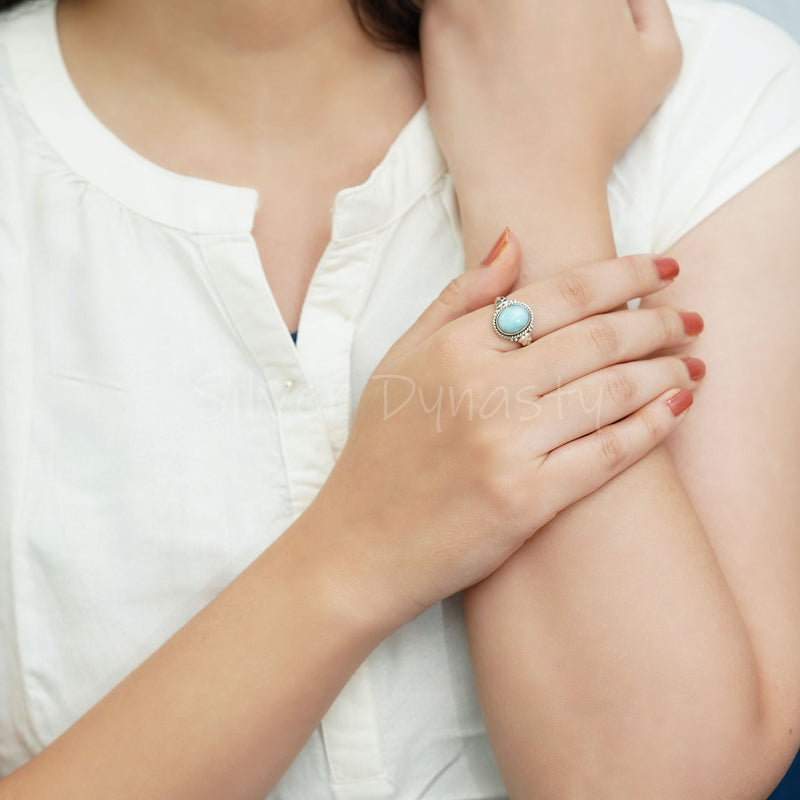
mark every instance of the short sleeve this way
{"type": "Point", "coordinates": [733, 115]}
{"type": "Point", "coordinates": [15, 341]}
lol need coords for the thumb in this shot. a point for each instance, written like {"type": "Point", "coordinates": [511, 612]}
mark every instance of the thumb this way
{"type": "Point", "coordinates": [477, 287]}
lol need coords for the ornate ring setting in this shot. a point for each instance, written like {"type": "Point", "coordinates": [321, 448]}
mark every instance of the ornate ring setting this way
{"type": "Point", "coordinates": [513, 321]}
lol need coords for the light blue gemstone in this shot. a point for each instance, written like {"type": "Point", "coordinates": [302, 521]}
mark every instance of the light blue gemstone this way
{"type": "Point", "coordinates": [513, 319]}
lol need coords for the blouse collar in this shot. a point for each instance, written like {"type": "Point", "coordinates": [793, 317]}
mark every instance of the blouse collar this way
{"type": "Point", "coordinates": [411, 166]}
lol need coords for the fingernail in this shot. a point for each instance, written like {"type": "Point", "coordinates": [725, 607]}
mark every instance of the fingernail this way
{"type": "Point", "coordinates": [667, 268]}
{"type": "Point", "coordinates": [696, 368]}
{"type": "Point", "coordinates": [680, 401]}
{"type": "Point", "coordinates": [692, 322]}
{"type": "Point", "coordinates": [497, 249]}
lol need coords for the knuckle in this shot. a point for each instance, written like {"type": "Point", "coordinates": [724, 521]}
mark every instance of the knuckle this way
{"type": "Point", "coordinates": [497, 489]}
{"type": "Point", "coordinates": [454, 296]}
{"type": "Point", "coordinates": [620, 388]}
{"type": "Point", "coordinates": [652, 427]}
{"type": "Point", "coordinates": [498, 480]}
{"type": "Point", "coordinates": [670, 53]}
{"type": "Point", "coordinates": [667, 62]}
{"type": "Point", "coordinates": [669, 323]}
{"type": "Point", "coordinates": [450, 345]}
{"type": "Point", "coordinates": [493, 482]}
{"type": "Point", "coordinates": [641, 270]}
{"type": "Point", "coordinates": [604, 337]}
{"type": "Point", "coordinates": [678, 372]}
{"type": "Point", "coordinates": [612, 448]}
{"type": "Point", "coordinates": [574, 287]}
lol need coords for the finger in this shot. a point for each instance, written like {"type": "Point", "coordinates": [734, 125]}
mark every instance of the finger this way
{"type": "Point", "coordinates": [604, 397]}
{"type": "Point", "coordinates": [603, 340]}
{"type": "Point", "coordinates": [575, 294]}
{"type": "Point", "coordinates": [651, 16]}
{"type": "Point", "coordinates": [473, 289]}
{"type": "Point", "coordinates": [582, 466]}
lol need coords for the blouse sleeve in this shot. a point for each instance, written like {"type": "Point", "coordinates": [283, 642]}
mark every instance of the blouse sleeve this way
{"type": "Point", "coordinates": [733, 115]}
{"type": "Point", "coordinates": [16, 357]}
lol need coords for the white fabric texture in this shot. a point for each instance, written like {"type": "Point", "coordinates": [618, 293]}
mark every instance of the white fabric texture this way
{"type": "Point", "coordinates": [159, 429]}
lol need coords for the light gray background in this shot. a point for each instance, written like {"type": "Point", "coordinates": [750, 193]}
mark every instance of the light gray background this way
{"type": "Point", "coordinates": [785, 12]}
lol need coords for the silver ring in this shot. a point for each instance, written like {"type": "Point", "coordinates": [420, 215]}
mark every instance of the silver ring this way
{"type": "Point", "coordinates": [513, 321]}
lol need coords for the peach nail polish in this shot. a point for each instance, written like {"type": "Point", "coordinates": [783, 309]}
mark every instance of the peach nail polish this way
{"type": "Point", "coordinates": [692, 322]}
{"type": "Point", "coordinates": [680, 401]}
{"type": "Point", "coordinates": [667, 268]}
{"type": "Point", "coordinates": [695, 367]}
{"type": "Point", "coordinates": [497, 249]}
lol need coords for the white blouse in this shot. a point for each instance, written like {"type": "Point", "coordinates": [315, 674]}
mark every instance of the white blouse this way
{"type": "Point", "coordinates": [159, 429]}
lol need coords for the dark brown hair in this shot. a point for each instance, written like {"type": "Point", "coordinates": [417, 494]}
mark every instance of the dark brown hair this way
{"type": "Point", "coordinates": [391, 23]}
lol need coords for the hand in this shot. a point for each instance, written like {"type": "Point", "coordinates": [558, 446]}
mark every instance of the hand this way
{"type": "Point", "coordinates": [464, 444]}
{"type": "Point", "coordinates": [547, 87]}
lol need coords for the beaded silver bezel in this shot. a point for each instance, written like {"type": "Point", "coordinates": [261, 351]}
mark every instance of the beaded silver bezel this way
{"type": "Point", "coordinates": [525, 336]}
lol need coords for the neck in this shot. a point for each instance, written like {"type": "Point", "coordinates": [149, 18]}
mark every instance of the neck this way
{"type": "Point", "coordinates": [265, 67]}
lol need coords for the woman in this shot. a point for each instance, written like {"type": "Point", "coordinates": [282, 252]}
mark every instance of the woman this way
{"type": "Point", "coordinates": [621, 564]}
{"type": "Point", "coordinates": [176, 432]}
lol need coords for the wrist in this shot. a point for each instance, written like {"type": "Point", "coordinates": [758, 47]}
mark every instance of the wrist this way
{"type": "Point", "coordinates": [532, 169]}
{"type": "Point", "coordinates": [561, 222]}
{"type": "Point", "coordinates": [344, 578]}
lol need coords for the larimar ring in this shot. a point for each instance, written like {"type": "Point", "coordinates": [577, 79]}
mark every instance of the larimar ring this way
{"type": "Point", "coordinates": [513, 321]}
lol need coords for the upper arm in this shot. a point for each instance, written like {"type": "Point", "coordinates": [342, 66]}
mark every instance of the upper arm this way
{"type": "Point", "coordinates": [642, 639]}
{"type": "Point", "coordinates": [647, 638]}
{"type": "Point", "coordinates": [738, 452]}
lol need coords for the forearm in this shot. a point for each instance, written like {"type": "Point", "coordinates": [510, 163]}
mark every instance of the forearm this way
{"type": "Point", "coordinates": [611, 658]}
{"type": "Point", "coordinates": [609, 652]}
{"type": "Point", "coordinates": [224, 706]}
